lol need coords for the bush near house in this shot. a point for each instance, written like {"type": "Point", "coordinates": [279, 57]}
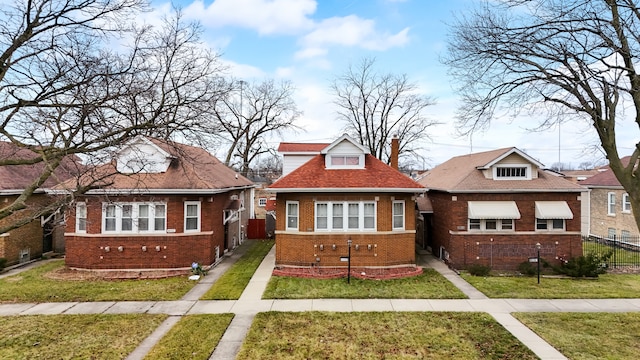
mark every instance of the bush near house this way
{"type": "Point", "coordinates": [590, 265]}
{"type": "Point", "coordinates": [3, 263]}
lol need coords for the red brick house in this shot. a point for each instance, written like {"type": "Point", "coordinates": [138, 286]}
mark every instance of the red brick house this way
{"type": "Point", "coordinates": [161, 205]}
{"type": "Point", "coordinates": [40, 236]}
{"type": "Point", "coordinates": [344, 193]}
{"type": "Point", "coordinates": [493, 207]}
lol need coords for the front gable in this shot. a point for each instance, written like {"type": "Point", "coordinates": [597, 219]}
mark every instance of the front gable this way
{"type": "Point", "coordinates": [512, 165]}
{"type": "Point", "coordinates": [344, 153]}
{"type": "Point", "coordinates": [142, 156]}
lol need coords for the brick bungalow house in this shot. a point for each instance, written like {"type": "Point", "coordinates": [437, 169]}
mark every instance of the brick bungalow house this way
{"type": "Point", "coordinates": [161, 205]}
{"type": "Point", "coordinates": [493, 207]}
{"type": "Point", "coordinates": [610, 213]}
{"type": "Point", "coordinates": [344, 193]}
{"type": "Point", "coordinates": [40, 236]}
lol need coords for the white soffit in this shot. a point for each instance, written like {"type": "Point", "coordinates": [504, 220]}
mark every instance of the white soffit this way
{"type": "Point", "coordinates": [553, 210]}
{"type": "Point", "coordinates": [493, 210]}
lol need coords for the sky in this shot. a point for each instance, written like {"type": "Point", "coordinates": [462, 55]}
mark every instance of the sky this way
{"type": "Point", "coordinates": [310, 42]}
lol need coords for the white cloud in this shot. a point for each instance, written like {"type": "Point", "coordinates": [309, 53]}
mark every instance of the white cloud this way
{"type": "Point", "coordinates": [311, 52]}
{"type": "Point", "coordinates": [352, 31]}
{"type": "Point", "coordinates": [266, 17]}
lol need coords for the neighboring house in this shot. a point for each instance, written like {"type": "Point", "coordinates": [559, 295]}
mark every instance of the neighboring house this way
{"type": "Point", "coordinates": [609, 206]}
{"type": "Point", "coordinates": [166, 206]}
{"type": "Point", "coordinates": [296, 154]}
{"type": "Point", "coordinates": [40, 236]}
{"type": "Point", "coordinates": [344, 193]}
{"type": "Point", "coordinates": [493, 207]}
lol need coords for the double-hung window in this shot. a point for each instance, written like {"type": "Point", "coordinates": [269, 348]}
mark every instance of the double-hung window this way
{"type": "Point", "coordinates": [133, 217]}
{"type": "Point", "coordinates": [398, 215]}
{"type": "Point", "coordinates": [345, 216]}
{"type": "Point", "coordinates": [611, 203]}
{"type": "Point", "coordinates": [626, 203]}
{"type": "Point", "coordinates": [81, 217]}
{"type": "Point", "coordinates": [491, 224]}
{"type": "Point", "coordinates": [191, 216]}
{"type": "Point", "coordinates": [292, 215]}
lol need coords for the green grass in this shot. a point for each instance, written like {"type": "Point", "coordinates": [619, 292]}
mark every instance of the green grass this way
{"type": "Point", "coordinates": [74, 336]}
{"type": "Point", "coordinates": [607, 286]}
{"type": "Point", "coordinates": [588, 335]}
{"type": "Point", "coordinates": [621, 257]}
{"type": "Point", "coordinates": [232, 283]}
{"type": "Point", "coordinates": [193, 337]}
{"type": "Point", "coordinates": [384, 335]}
{"type": "Point", "coordinates": [429, 285]}
{"type": "Point", "coordinates": [33, 286]}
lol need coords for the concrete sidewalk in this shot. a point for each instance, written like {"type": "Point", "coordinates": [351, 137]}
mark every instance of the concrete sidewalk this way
{"type": "Point", "coordinates": [250, 303]}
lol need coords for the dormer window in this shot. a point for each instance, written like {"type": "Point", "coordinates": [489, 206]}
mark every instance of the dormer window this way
{"type": "Point", "coordinates": [512, 172]}
{"type": "Point", "coordinates": [345, 160]}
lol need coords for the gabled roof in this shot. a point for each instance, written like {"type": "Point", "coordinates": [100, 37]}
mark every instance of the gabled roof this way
{"type": "Point", "coordinates": [342, 138]}
{"type": "Point", "coordinates": [192, 170]}
{"type": "Point", "coordinates": [301, 148]}
{"type": "Point", "coordinates": [15, 178]}
{"type": "Point", "coordinates": [375, 177]}
{"type": "Point", "coordinates": [605, 177]}
{"type": "Point", "coordinates": [510, 151]}
{"type": "Point", "coordinates": [463, 174]}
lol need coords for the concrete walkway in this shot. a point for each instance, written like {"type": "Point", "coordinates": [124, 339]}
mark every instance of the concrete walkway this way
{"type": "Point", "coordinates": [250, 303]}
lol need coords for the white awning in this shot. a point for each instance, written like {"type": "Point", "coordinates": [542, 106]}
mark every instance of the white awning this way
{"type": "Point", "coordinates": [493, 210]}
{"type": "Point", "coordinates": [553, 210]}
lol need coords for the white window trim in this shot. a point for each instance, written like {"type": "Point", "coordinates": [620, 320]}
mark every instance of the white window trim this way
{"type": "Point", "coordinates": [611, 203]}
{"type": "Point", "coordinates": [198, 216]}
{"type": "Point", "coordinates": [626, 201]}
{"type": "Point", "coordinates": [550, 225]}
{"type": "Point", "coordinates": [496, 167]}
{"type": "Point", "coordinates": [81, 206]}
{"type": "Point", "coordinates": [297, 204]}
{"type": "Point", "coordinates": [483, 225]}
{"type": "Point", "coordinates": [345, 216]}
{"type": "Point", "coordinates": [393, 215]}
{"type": "Point", "coordinates": [134, 217]}
{"type": "Point", "coordinates": [262, 202]}
{"type": "Point", "coordinates": [329, 165]}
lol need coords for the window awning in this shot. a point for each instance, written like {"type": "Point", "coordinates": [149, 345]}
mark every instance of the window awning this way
{"type": "Point", "coordinates": [553, 210]}
{"type": "Point", "coordinates": [493, 210]}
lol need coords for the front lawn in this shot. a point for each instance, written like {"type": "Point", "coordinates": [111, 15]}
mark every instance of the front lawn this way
{"type": "Point", "coordinates": [74, 336]}
{"type": "Point", "coordinates": [34, 286]}
{"type": "Point", "coordinates": [607, 286]}
{"type": "Point", "coordinates": [588, 335]}
{"type": "Point", "coordinates": [232, 283]}
{"type": "Point", "coordinates": [429, 285]}
{"type": "Point", "coordinates": [193, 337]}
{"type": "Point", "coordinates": [383, 335]}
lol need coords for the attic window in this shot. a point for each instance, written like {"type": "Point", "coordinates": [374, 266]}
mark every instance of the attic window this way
{"type": "Point", "coordinates": [345, 160]}
{"type": "Point", "coordinates": [512, 172]}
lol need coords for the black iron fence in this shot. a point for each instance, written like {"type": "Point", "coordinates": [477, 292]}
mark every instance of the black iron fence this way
{"type": "Point", "coordinates": [625, 251]}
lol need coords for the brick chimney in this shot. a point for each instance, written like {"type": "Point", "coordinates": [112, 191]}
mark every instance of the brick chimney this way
{"type": "Point", "coordinates": [395, 150]}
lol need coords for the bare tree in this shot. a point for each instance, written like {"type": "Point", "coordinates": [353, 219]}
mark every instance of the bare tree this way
{"type": "Point", "coordinates": [77, 78]}
{"type": "Point", "coordinates": [567, 58]}
{"type": "Point", "coordinates": [375, 107]}
{"type": "Point", "coordinates": [249, 113]}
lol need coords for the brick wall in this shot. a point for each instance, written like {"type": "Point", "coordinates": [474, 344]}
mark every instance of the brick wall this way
{"type": "Point", "coordinates": [601, 221]}
{"type": "Point", "coordinates": [177, 249]}
{"type": "Point", "coordinates": [26, 237]}
{"type": "Point", "coordinates": [140, 252]}
{"type": "Point", "coordinates": [508, 249]}
{"type": "Point", "coordinates": [382, 248]}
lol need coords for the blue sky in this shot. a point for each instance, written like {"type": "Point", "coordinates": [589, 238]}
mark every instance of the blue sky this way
{"type": "Point", "coordinates": [309, 42]}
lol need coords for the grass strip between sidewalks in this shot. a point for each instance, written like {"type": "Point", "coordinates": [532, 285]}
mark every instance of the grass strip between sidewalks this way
{"type": "Point", "coordinates": [606, 286]}
{"type": "Point", "coordinates": [380, 335]}
{"type": "Point", "coordinates": [74, 336]}
{"type": "Point", "coordinates": [34, 286]}
{"type": "Point", "coordinates": [232, 283]}
{"type": "Point", "coordinates": [429, 285]}
{"type": "Point", "coordinates": [193, 337]}
{"type": "Point", "coordinates": [588, 335]}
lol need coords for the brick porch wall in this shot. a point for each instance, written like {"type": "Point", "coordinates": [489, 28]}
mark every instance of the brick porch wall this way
{"type": "Point", "coordinates": [162, 252]}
